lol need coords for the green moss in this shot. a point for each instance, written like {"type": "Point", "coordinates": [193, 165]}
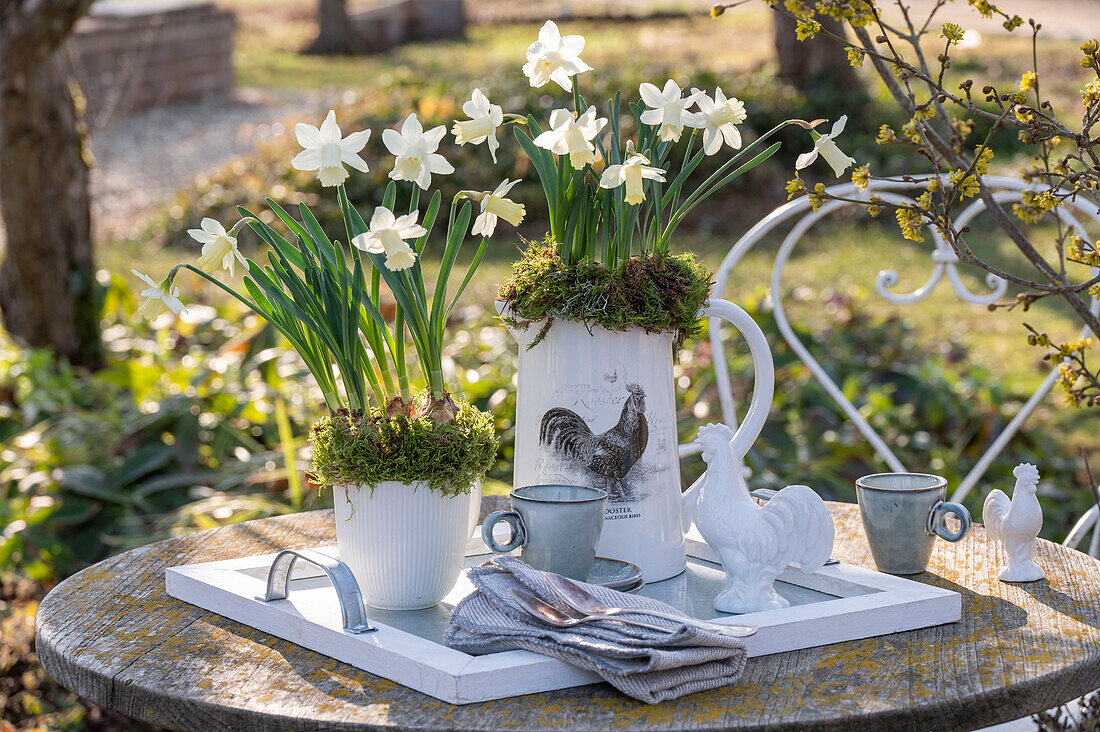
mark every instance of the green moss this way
{"type": "Point", "coordinates": [657, 293]}
{"type": "Point", "coordinates": [369, 448]}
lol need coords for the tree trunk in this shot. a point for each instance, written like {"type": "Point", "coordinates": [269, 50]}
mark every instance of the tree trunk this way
{"type": "Point", "coordinates": [48, 292]}
{"type": "Point", "coordinates": [818, 63]}
{"type": "Point", "coordinates": [335, 32]}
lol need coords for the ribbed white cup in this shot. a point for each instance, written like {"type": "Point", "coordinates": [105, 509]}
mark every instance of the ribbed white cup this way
{"type": "Point", "coordinates": [404, 542]}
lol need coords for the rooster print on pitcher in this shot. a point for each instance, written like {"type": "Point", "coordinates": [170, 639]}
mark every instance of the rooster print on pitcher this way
{"type": "Point", "coordinates": [607, 457]}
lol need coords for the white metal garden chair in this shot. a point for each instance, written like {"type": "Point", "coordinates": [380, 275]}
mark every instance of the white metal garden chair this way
{"type": "Point", "coordinates": [944, 263]}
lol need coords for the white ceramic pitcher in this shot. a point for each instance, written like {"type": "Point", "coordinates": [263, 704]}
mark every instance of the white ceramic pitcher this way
{"type": "Point", "coordinates": [597, 407]}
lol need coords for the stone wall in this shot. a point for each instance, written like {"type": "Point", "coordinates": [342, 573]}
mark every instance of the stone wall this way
{"type": "Point", "coordinates": [134, 55]}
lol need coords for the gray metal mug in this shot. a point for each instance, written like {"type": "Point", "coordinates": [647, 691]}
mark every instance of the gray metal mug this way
{"type": "Point", "coordinates": [903, 513]}
{"type": "Point", "coordinates": [558, 527]}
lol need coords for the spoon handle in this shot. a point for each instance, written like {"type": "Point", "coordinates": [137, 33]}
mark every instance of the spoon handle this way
{"type": "Point", "coordinates": [627, 621]}
{"type": "Point", "coordinates": [722, 628]}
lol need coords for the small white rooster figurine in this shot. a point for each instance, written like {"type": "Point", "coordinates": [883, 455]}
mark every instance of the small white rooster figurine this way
{"type": "Point", "coordinates": [756, 543]}
{"type": "Point", "coordinates": [1016, 524]}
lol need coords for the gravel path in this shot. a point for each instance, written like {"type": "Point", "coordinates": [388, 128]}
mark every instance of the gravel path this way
{"type": "Point", "coordinates": [143, 159]}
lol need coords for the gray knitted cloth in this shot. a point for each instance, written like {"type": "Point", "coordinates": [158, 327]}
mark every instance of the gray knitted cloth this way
{"type": "Point", "coordinates": [649, 665]}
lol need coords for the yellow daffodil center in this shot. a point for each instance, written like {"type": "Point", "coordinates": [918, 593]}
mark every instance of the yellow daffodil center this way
{"type": "Point", "coordinates": [213, 254]}
{"type": "Point", "coordinates": [634, 192]}
{"type": "Point", "coordinates": [472, 129]}
{"type": "Point", "coordinates": [510, 211]}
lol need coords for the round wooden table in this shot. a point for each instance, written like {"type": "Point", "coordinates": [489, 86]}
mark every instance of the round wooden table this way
{"type": "Point", "coordinates": [111, 634]}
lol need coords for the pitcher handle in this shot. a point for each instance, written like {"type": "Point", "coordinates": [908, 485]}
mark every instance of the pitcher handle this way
{"type": "Point", "coordinates": [763, 389]}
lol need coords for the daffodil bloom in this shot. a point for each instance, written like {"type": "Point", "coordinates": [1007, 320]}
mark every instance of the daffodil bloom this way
{"type": "Point", "coordinates": [494, 205]}
{"type": "Point", "coordinates": [572, 136]}
{"type": "Point", "coordinates": [158, 297]}
{"type": "Point", "coordinates": [554, 58]}
{"type": "Point", "coordinates": [824, 145]}
{"type": "Point", "coordinates": [718, 118]}
{"type": "Point", "coordinates": [388, 234]}
{"type": "Point", "coordinates": [327, 153]}
{"type": "Point", "coordinates": [667, 109]}
{"type": "Point", "coordinates": [219, 247]}
{"type": "Point", "coordinates": [415, 151]}
{"type": "Point", "coordinates": [482, 126]}
{"type": "Point", "coordinates": [631, 172]}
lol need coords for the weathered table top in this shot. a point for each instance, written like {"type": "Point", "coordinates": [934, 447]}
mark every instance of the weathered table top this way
{"type": "Point", "coordinates": [111, 634]}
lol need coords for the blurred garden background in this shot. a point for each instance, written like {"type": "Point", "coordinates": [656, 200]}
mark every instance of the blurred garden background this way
{"type": "Point", "coordinates": [185, 424]}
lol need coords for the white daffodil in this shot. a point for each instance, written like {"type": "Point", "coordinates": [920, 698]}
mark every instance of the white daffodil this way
{"type": "Point", "coordinates": [554, 58]}
{"type": "Point", "coordinates": [667, 108]}
{"type": "Point", "coordinates": [219, 247]}
{"type": "Point", "coordinates": [158, 297]}
{"type": "Point", "coordinates": [572, 136]}
{"type": "Point", "coordinates": [326, 152]}
{"type": "Point", "coordinates": [718, 118]}
{"type": "Point", "coordinates": [388, 234]}
{"type": "Point", "coordinates": [494, 205]}
{"type": "Point", "coordinates": [482, 126]}
{"type": "Point", "coordinates": [415, 151]}
{"type": "Point", "coordinates": [824, 145]}
{"type": "Point", "coordinates": [632, 171]}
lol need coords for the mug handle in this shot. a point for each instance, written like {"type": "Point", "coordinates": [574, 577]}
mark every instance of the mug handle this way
{"type": "Point", "coordinates": [513, 519]}
{"type": "Point", "coordinates": [937, 523]}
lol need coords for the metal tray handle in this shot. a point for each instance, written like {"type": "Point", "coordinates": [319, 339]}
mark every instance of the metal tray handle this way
{"type": "Point", "coordinates": [343, 581]}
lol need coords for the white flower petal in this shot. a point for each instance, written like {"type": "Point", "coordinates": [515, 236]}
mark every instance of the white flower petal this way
{"type": "Point", "coordinates": [394, 142]}
{"type": "Point", "coordinates": [330, 131]}
{"type": "Point", "coordinates": [838, 126]}
{"type": "Point", "coordinates": [651, 95]}
{"type": "Point", "coordinates": [355, 142]}
{"type": "Point", "coordinates": [308, 159]}
{"type": "Point", "coordinates": [433, 136]}
{"type": "Point", "coordinates": [805, 159]}
{"type": "Point", "coordinates": [350, 158]}
{"type": "Point", "coordinates": [411, 129]}
{"type": "Point", "coordinates": [308, 136]}
{"type": "Point", "coordinates": [549, 35]}
{"type": "Point", "coordinates": [144, 278]}
{"type": "Point", "coordinates": [382, 218]}
{"type": "Point", "coordinates": [438, 164]}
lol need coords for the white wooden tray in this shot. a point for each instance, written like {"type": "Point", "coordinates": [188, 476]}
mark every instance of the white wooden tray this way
{"type": "Point", "coordinates": [838, 603]}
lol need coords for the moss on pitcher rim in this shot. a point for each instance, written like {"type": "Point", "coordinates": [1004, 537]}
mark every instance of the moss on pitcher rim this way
{"type": "Point", "coordinates": [655, 293]}
{"type": "Point", "coordinates": [351, 447]}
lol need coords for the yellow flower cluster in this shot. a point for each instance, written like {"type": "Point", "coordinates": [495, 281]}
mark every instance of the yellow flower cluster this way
{"type": "Point", "coordinates": [1033, 206]}
{"type": "Point", "coordinates": [1090, 95]}
{"type": "Point", "coordinates": [861, 176]}
{"type": "Point", "coordinates": [875, 207]}
{"type": "Point", "coordinates": [855, 57]}
{"type": "Point", "coordinates": [910, 220]}
{"type": "Point", "coordinates": [1083, 252]}
{"type": "Point", "coordinates": [968, 183]}
{"type": "Point", "coordinates": [1067, 379]}
{"type": "Point", "coordinates": [1028, 81]}
{"type": "Point", "coordinates": [984, 8]}
{"type": "Point", "coordinates": [806, 29]}
{"type": "Point", "coordinates": [794, 187]}
{"type": "Point", "coordinates": [1090, 48]}
{"type": "Point", "coordinates": [953, 32]}
{"type": "Point", "coordinates": [817, 197]}
{"type": "Point", "coordinates": [885, 135]}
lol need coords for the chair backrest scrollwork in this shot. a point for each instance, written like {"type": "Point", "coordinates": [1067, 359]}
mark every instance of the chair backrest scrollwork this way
{"type": "Point", "coordinates": [944, 266]}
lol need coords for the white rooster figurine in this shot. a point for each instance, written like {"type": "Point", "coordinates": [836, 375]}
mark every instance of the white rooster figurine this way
{"type": "Point", "coordinates": [756, 543]}
{"type": "Point", "coordinates": [1016, 524]}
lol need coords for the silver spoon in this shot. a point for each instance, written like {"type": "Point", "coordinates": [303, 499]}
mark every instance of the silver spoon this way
{"type": "Point", "coordinates": [551, 615]}
{"type": "Point", "coordinates": [580, 599]}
